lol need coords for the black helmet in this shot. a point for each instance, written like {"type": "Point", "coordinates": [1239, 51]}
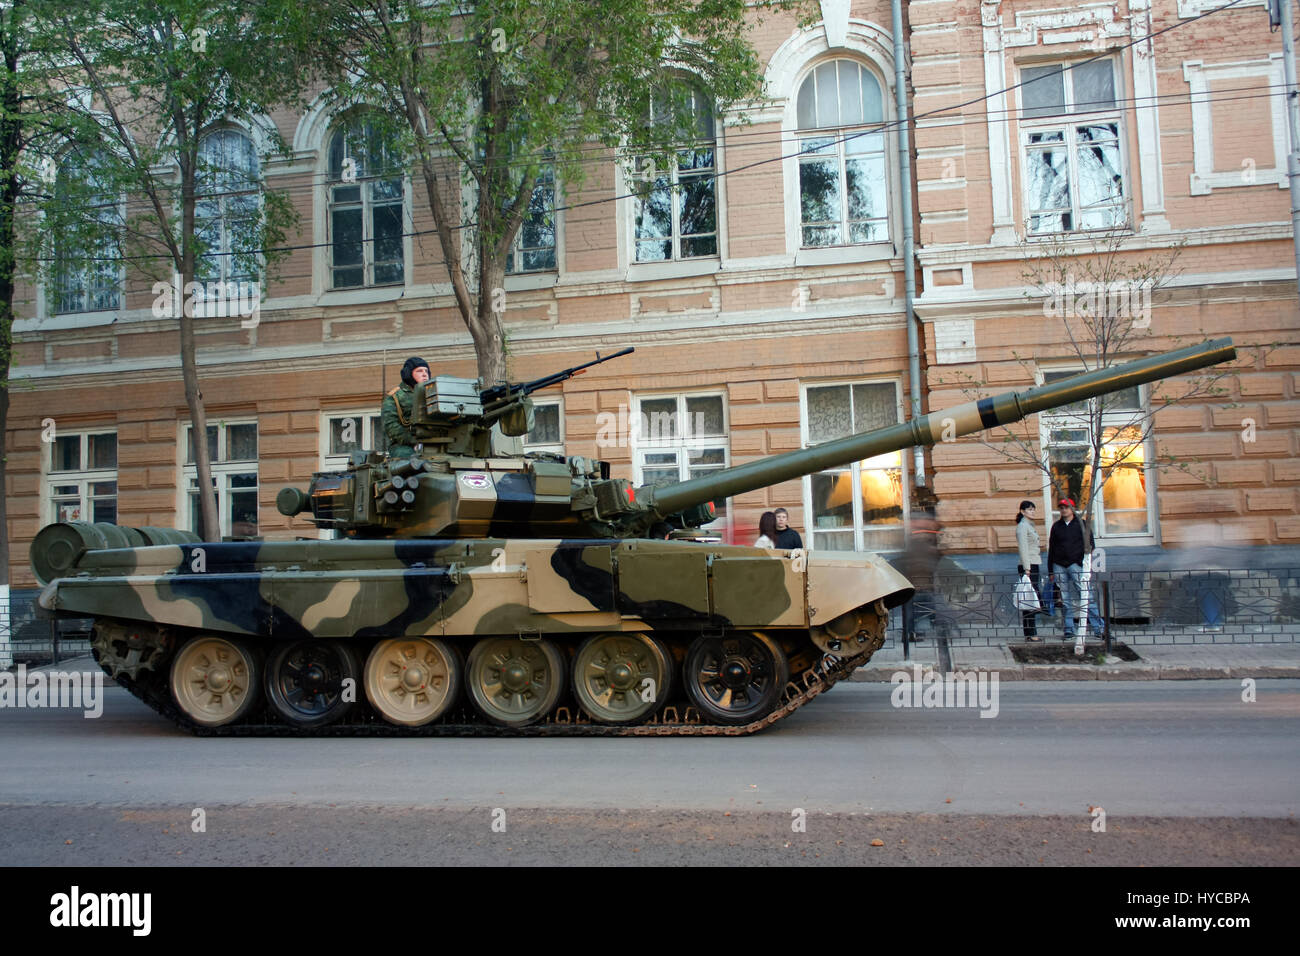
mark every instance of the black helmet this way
{"type": "Point", "coordinates": [408, 370]}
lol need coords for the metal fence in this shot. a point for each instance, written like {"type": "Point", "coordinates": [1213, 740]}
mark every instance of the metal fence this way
{"type": "Point", "coordinates": [1137, 606]}
{"type": "Point", "coordinates": [1196, 606]}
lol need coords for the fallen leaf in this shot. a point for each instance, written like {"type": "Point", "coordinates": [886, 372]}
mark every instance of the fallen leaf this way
{"type": "Point", "coordinates": [949, 800]}
{"type": "Point", "coordinates": [67, 843]}
{"type": "Point", "coordinates": [877, 842]}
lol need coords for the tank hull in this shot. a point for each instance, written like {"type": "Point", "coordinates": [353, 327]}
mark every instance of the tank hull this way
{"type": "Point", "coordinates": [818, 609]}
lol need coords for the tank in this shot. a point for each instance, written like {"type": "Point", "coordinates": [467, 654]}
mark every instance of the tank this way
{"type": "Point", "coordinates": [471, 589]}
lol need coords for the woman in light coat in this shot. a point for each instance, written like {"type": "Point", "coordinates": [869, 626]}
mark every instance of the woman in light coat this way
{"type": "Point", "coordinates": [766, 530]}
{"type": "Point", "coordinates": [1031, 551]}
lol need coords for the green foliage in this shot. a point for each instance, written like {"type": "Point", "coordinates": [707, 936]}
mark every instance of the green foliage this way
{"type": "Point", "coordinates": [495, 95]}
{"type": "Point", "coordinates": [147, 80]}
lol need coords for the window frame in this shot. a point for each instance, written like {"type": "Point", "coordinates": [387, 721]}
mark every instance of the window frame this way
{"type": "Point", "coordinates": [223, 469]}
{"type": "Point", "coordinates": [1050, 420]}
{"type": "Point", "coordinates": [83, 477]}
{"type": "Point", "coordinates": [555, 448]}
{"type": "Point", "coordinates": [860, 529]}
{"type": "Point", "coordinates": [367, 205]}
{"type": "Point", "coordinates": [640, 445]}
{"type": "Point", "coordinates": [1067, 122]}
{"type": "Point", "coordinates": [840, 135]}
{"type": "Point", "coordinates": [49, 291]}
{"type": "Point", "coordinates": [224, 254]}
{"type": "Point", "coordinates": [371, 425]}
{"type": "Point", "coordinates": [516, 252]}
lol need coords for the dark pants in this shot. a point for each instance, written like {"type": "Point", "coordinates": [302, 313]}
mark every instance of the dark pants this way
{"type": "Point", "coordinates": [1029, 619]}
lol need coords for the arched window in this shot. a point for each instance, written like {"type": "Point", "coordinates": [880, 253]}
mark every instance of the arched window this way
{"type": "Point", "coordinates": [676, 215]}
{"type": "Point", "coordinates": [842, 169]}
{"type": "Point", "coordinates": [226, 210]}
{"type": "Point", "coordinates": [88, 246]}
{"type": "Point", "coordinates": [366, 193]}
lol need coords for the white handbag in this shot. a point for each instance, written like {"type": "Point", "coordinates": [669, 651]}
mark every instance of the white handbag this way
{"type": "Point", "coordinates": [1026, 598]}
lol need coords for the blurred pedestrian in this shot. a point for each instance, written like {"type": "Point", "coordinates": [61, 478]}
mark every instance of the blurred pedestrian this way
{"type": "Point", "coordinates": [919, 560]}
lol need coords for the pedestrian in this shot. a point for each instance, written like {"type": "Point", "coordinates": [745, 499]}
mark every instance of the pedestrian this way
{"type": "Point", "coordinates": [786, 537]}
{"type": "Point", "coordinates": [918, 563]}
{"type": "Point", "coordinates": [1031, 550]}
{"type": "Point", "coordinates": [1068, 542]}
{"type": "Point", "coordinates": [396, 409]}
{"type": "Point", "coordinates": [766, 530]}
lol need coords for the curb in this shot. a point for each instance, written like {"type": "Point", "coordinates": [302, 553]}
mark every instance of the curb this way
{"type": "Point", "coordinates": [1110, 672]}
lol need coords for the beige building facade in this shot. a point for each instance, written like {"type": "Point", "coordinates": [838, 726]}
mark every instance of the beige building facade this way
{"type": "Point", "coordinates": [765, 296]}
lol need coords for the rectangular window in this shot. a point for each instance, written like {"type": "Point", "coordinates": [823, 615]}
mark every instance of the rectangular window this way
{"type": "Point", "coordinates": [534, 247]}
{"type": "Point", "coordinates": [81, 480]}
{"type": "Point", "coordinates": [676, 216]}
{"type": "Point", "coordinates": [548, 428]}
{"type": "Point", "coordinates": [366, 230]}
{"type": "Point", "coordinates": [676, 437]}
{"type": "Point", "coordinates": [858, 506]}
{"type": "Point", "coordinates": [1073, 163]}
{"type": "Point", "coordinates": [1125, 508]}
{"type": "Point", "coordinates": [347, 432]}
{"type": "Point", "coordinates": [232, 450]}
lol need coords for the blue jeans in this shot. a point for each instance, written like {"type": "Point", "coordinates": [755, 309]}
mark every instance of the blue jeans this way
{"type": "Point", "coordinates": [1070, 580]}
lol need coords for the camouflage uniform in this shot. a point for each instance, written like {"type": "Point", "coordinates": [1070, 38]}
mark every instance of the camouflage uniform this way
{"type": "Point", "coordinates": [396, 417]}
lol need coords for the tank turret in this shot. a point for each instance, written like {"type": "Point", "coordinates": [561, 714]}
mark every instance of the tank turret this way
{"type": "Point", "coordinates": [459, 485]}
{"type": "Point", "coordinates": [478, 588]}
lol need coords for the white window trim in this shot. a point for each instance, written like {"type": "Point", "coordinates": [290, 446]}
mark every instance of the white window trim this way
{"type": "Point", "coordinates": [556, 448]}
{"type": "Point", "coordinates": [82, 477]}
{"type": "Point", "coordinates": [330, 462]}
{"type": "Point", "coordinates": [322, 243]}
{"type": "Point", "coordinates": [542, 278]}
{"type": "Point", "coordinates": [45, 297]}
{"type": "Point", "coordinates": [1068, 121]}
{"type": "Point", "coordinates": [873, 46]}
{"type": "Point", "coordinates": [220, 471]}
{"type": "Point", "coordinates": [1204, 179]}
{"type": "Point", "coordinates": [859, 529]}
{"type": "Point", "coordinates": [225, 260]}
{"type": "Point", "coordinates": [638, 445]}
{"type": "Point", "coordinates": [1111, 420]}
{"type": "Point", "coordinates": [625, 222]}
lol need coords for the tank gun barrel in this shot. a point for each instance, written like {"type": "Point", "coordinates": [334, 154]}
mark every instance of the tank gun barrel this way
{"type": "Point", "coordinates": [1002, 409]}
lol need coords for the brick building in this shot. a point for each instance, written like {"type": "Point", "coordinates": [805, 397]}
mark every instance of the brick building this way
{"type": "Point", "coordinates": [768, 307]}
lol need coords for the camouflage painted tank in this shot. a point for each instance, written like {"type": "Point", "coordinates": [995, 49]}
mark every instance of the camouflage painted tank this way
{"type": "Point", "coordinates": [473, 590]}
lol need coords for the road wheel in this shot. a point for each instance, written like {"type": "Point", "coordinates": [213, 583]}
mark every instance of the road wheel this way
{"type": "Point", "coordinates": [412, 681]}
{"type": "Point", "coordinates": [307, 681]}
{"type": "Point", "coordinates": [514, 682]}
{"type": "Point", "coordinates": [622, 678]}
{"type": "Point", "coordinates": [215, 680]}
{"type": "Point", "coordinates": [735, 679]}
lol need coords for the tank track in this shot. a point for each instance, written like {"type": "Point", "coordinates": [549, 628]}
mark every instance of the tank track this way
{"type": "Point", "coordinates": [563, 722]}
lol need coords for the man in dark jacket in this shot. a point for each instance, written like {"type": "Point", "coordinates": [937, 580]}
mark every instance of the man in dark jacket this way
{"type": "Point", "coordinates": [1069, 541]}
{"type": "Point", "coordinates": [396, 410]}
{"type": "Point", "coordinates": [786, 537]}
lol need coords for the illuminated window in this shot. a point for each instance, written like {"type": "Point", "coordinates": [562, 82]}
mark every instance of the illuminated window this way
{"type": "Point", "coordinates": [1125, 507]}
{"type": "Point", "coordinates": [858, 506]}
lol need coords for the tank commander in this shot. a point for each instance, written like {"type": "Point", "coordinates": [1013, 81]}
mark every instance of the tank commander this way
{"type": "Point", "coordinates": [396, 410]}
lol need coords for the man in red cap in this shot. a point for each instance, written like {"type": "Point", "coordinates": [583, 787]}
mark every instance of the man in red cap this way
{"type": "Point", "coordinates": [1069, 541]}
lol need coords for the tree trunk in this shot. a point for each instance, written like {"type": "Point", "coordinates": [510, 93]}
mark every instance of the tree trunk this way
{"type": "Point", "coordinates": [211, 530]}
{"type": "Point", "coordinates": [485, 329]}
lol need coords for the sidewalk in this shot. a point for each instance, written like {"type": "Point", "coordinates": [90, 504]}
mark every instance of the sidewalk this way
{"type": "Point", "coordinates": [1158, 662]}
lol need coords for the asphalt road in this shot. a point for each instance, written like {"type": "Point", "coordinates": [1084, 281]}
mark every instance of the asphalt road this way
{"type": "Point", "coordinates": [1185, 771]}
